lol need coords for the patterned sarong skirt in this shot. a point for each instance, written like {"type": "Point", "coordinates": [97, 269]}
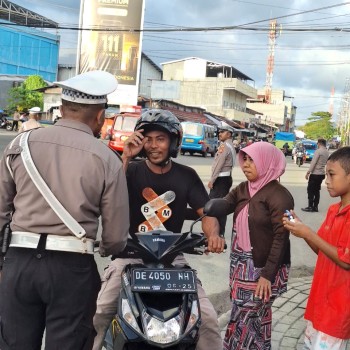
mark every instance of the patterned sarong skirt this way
{"type": "Point", "coordinates": [250, 322]}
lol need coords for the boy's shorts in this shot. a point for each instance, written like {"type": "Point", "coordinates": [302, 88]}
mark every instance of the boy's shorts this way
{"type": "Point", "coordinates": [316, 340]}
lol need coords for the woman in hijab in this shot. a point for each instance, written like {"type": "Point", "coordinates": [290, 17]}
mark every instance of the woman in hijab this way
{"type": "Point", "coordinates": [260, 255]}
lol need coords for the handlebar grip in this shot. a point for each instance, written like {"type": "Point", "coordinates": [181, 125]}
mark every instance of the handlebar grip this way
{"type": "Point", "coordinates": [206, 244]}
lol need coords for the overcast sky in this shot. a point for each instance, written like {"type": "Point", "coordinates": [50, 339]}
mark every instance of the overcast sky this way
{"type": "Point", "coordinates": [309, 60]}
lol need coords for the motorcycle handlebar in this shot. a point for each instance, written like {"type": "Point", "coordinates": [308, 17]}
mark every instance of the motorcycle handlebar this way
{"type": "Point", "coordinates": [131, 254]}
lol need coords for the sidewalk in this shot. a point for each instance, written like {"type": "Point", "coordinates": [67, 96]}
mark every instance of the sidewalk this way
{"type": "Point", "coordinates": [288, 323]}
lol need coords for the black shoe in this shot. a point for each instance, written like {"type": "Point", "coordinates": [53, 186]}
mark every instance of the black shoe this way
{"type": "Point", "coordinates": [309, 209]}
{"type": "Point", "coordinates": [315, 209]}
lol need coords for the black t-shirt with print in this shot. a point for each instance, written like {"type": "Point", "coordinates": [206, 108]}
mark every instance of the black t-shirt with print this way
{"type": "Point", "coordinates": [159, 201]}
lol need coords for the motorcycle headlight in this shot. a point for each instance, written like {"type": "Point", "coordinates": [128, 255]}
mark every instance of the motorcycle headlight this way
{"type": "Point", "coordinates": [162, 332]}
{"type": "Point", "coordinates": [129, 316]}
{"type": "Point", "coordinates": [194, 315]}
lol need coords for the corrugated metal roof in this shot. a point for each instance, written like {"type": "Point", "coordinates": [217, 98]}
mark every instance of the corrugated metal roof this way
{"type": "Point", "coordinates": [20, 15]}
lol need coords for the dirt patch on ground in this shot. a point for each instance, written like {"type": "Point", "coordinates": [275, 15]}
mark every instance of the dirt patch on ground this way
{"type": "Point", "coordinates": [221, 302]}
{"type": "Point", "coordinates": [301, 271]}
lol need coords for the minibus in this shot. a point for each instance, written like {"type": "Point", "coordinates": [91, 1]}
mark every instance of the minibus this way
{"type": "Point", "coordinates": [199, 138]}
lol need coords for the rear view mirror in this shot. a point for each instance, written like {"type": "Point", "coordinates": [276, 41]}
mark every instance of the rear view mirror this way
{"type": "Point", "coordinates": [216, 207]}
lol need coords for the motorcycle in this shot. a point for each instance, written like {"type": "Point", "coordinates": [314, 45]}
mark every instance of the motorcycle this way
{"type": "Point", "coordinates": [300, 158]}
{"type": "Point", "coordinates": [158, 305]}
{"type": "Point", "coordinates": [5, 124]}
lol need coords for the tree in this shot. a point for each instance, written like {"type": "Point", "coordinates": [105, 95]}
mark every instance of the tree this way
{"type": "Point", "coordinates": [23, 97]}
{"type": "Point", "coordinates": [319, 126]}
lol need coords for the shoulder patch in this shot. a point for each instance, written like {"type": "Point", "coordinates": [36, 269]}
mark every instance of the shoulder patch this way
{"type": "Point", "coordinates": [13, 150]}
{"type": "Point", "coordinates": [221, 148]}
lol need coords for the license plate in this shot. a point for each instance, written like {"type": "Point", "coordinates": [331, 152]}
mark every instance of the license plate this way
{"type": "Point", "coordinates": [159, 280]}
{"type": "Point", "coordinates": [189, 140]}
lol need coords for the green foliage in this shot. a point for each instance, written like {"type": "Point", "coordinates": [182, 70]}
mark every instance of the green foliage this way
{"type": "Point", "coordinates": [319, 126]}
{"type": "Point", "coordinates": [23, 97]}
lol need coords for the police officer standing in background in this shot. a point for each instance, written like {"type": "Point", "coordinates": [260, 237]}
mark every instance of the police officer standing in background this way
{"type": "Point", "coordinates": [32, 123]}
{"type": "Point", "coordinates": [315, 175]}
{"type": "Point", "coordinates": [49, 277]}
{"type": "Point", "coordinates": [221, 179]}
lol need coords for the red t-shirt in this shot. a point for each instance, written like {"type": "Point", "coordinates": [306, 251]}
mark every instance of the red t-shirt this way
{"type": "Point", "coordinates": [328, 307]}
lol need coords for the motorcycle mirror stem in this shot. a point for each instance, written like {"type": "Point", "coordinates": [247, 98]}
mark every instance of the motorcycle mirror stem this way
{"type": "Point", "coordinates": [194, 222]}
{"type": "Point", "coordinates": [214, 207]}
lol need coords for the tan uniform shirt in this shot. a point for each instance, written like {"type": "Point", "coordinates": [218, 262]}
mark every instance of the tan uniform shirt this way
{"type": "Point", "coordinates": [84, 175]}
{"type": "Point", "coordinates": [16, 116]}
{"type": "Point", "coordinates": [319, 160]}
{"type": "Point", "coordinates": [224, 160]}
{"type": "Point", "coordinates": [30, 124]}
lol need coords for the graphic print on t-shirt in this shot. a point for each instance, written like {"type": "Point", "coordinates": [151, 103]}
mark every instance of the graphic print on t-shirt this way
{"type": "Point", "coordinates": [156, 211]}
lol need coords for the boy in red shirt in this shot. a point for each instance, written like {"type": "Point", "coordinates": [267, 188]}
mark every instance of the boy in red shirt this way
{"type": "Point", "coordinates": [328, 307]}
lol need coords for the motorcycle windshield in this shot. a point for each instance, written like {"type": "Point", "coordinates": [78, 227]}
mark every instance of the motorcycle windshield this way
{"type": "Point", "coordinates": [158, 243]}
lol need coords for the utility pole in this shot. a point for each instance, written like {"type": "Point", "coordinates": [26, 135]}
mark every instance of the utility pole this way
{"type": "Point", "coordinates": [331, 102]}
{"type": "Point", "coordinates": [343, 116]}
{"type": "Point", "coordinates": [274, 32]}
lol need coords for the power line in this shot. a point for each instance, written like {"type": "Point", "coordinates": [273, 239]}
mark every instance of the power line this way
{"type": "Point", "coordinates": [205, 29]}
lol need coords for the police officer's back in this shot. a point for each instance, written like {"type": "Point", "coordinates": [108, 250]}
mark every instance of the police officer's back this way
{"type": "Point", "coordinates": [49, 277]}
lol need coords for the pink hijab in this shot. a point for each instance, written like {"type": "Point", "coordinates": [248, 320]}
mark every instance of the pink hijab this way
{"type": "Point", "coordinates": [270, 164]}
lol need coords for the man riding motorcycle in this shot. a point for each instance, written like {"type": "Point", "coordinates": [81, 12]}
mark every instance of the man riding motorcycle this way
{"type": "Point", "coordinates": [158, 136]}
{"type": "Point", "coordinates": [3, 120]}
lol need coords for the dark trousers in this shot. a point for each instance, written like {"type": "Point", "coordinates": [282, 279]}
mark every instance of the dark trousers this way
{"type": "Point", "coordinates": [14, 125]}
{"type": "Point", "coordinates": [313, 189]}
{"type": "Point", "coordinates": [220, 189]}
{"type": "Point", "coordinates": [47, 289]}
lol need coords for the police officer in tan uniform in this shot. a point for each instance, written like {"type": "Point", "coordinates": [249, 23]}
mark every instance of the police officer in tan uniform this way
{"type": "Point", "coordinates": [32, 123]}
{"type": "Point", "coordinates": [221, 179]}
{"type": "Point", "coordinates": [49, 277]}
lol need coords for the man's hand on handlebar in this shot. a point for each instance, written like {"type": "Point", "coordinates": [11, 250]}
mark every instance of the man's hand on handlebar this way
{"type": "Point", "coordinates": [216, 244]}
{"type": "Point", "coordinates": [210, 226]}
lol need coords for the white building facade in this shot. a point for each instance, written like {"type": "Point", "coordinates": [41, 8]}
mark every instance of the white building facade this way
{"type": "Point", "coordinates": [220, 89]}
{"type": "Point", "coordinates": [280, 111]}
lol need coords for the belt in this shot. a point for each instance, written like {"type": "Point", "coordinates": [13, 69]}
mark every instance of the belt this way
{"type": "Point", "coordinates": [72, 244]}
{"type": "Point", "coordinates": [225, 173]}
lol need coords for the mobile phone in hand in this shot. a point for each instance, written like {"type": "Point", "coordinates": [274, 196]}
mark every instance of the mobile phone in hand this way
{"type": "Point", "coordinates": [290, 216]}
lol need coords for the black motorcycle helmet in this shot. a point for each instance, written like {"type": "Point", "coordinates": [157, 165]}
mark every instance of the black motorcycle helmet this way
{"type": "Point", "coordinates": [159, 119]}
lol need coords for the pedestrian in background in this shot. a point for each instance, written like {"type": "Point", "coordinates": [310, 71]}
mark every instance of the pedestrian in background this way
{"type": "Point", "coordinates": [15, 121]}
{"type": "Point", "coordinates": [221, 171]}
{"type": "Point", "coordinates": [23, 118]}
{"type": "Point", "coordinates": [49, 277]}
{"type": "Point", "coordinates": [32, 122]}
{"type": "Point", "coordinates": [260, 253]}
{"type": "Point", "coordinates": [327, 311]}
{"type": "Point", "coordinates": [316, 175]}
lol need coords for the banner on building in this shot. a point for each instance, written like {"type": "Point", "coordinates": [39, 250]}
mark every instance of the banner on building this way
{"type": "Point", "coordinates": [169, 90]}
{"type": "Point", "coordinates": [112, 44]}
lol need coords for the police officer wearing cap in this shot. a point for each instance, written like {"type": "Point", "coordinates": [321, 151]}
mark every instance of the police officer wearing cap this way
{"type": "Point", "coordinates": [49, 278]}
{"type": "Point", "coordinates": [221, 179]}
{"type": "Point", "coordinates": [32, 123]}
